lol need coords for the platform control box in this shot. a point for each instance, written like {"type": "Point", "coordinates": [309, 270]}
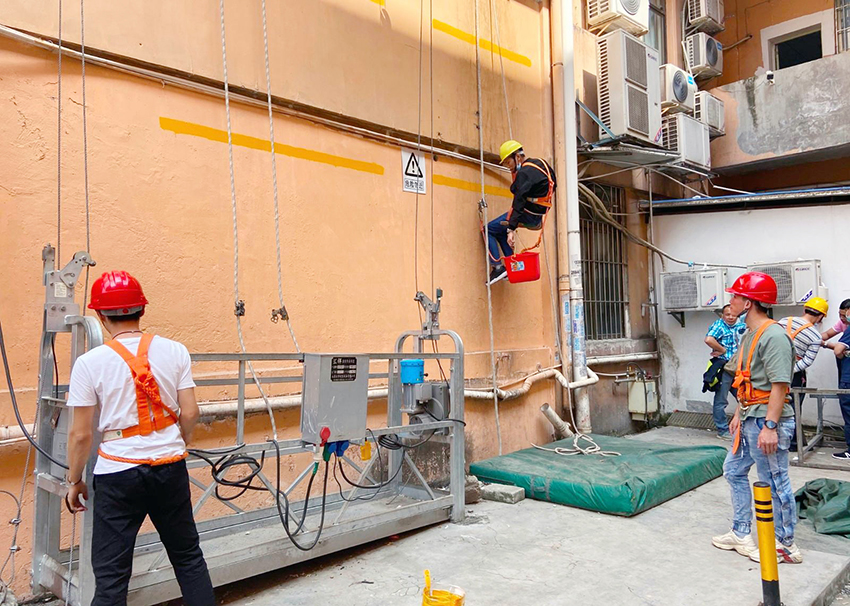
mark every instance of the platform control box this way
{"type": "Point", "coordinates": [335, 397]}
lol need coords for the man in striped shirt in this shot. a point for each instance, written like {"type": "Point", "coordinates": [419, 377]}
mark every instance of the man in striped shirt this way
{"type": "Point", "coordinates": [807, 342]}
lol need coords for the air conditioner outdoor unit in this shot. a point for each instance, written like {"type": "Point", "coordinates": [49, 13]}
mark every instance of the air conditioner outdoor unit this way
{"type": "Point", "coordinates": [678, 89]}
{"type": "Point", "coordinates": [707, 15]}
{"type": "Point", "coordinates": [628, 88]}
{"type": "Point", "coordinates": [710, 110]}
{"type": "Point", "coordinates": [796, 281]}
{"type": "Point", "coordinates": [689, 138]}
{"type": "Point", "coordinates": [705, 55]}
{"type": "Point", "coordinates": [694, 290]}
{"type": "Point", "coordinates": [630, 15]}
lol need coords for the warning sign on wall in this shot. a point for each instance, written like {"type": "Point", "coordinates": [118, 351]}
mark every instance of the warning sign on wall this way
{"type": "Point", "coordinates": [412, 172]}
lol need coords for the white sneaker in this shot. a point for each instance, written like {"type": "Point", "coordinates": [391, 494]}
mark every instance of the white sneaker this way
{"type": "Point", "coordinates": [731, 542]}
{"type": "Point", "coordinates": [787, 555]}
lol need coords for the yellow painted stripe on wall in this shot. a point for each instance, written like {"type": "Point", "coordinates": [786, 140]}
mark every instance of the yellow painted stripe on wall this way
{"type": "Point", "coordinates": [471, 186]}
{"type": "Point", "coordinates": [380, 2]}
{"type": "Point", "coordinates": [485, 44]}
{"type": "Point", "coordinates": [181, 127]}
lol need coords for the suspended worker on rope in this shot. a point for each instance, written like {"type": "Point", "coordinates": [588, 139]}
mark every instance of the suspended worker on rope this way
{"type": "Point", "coordinates": [533, 188]}
{"type": "Point", "coordinates": [144, 387]}
{"type": "Point", "coordinates": [763, 423]}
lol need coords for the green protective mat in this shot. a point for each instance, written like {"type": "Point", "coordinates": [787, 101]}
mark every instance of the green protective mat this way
{"type": "Point", "coordinates": [827, 504]}
{"type": "Point", "coordinates": [644, 476]}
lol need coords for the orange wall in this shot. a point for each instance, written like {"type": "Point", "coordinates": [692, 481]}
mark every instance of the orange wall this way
{"type": "Point", "coordinates": [161, 205]}
{"type": "Point", "coordinates": [745, 17]}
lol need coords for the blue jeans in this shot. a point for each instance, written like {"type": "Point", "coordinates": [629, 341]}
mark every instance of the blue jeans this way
{"type": "Point", "coordinates": [721, 400]}
{"type": "Point", "coordinates": [498, 235]}
{"type": "Point", "coordinates": [844, 402]}
{"type": "Point", "coordinates": [772, 469]}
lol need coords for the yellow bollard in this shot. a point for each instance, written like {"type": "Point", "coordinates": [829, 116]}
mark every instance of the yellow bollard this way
{"type": "Point", "coordinates": [767, 544]}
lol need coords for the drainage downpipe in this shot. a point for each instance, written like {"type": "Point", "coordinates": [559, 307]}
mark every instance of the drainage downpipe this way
{"type": "Point", "coordinates": [571, 293]}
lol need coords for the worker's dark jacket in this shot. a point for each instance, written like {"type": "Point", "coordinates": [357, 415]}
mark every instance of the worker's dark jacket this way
{"type": "Point", "coordinates": [529, 183]}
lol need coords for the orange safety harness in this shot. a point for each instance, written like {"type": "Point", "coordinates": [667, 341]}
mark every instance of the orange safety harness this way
{"type": "Point", "coordinates": [153, 414]}
{"type": "Point", "coordinates": [793, 333]}
{"type": "Point", "coordinates": [544, 201]}
{"type": "Point", "coordinates": [743, 383]}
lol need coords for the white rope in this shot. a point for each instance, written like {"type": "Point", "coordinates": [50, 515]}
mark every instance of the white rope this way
{"type": "Point", "coordinates": [71, 561]}
{"type": "Point", "coordinates": [418, 149]}
{"type": "Point", "coordinates": [282, 311]}
{"type": "Point", "coordinates": [592, 449]}
{"type": "Point", "coordinates": [85, 144]}
{"type": "Point", "coordinates": [495, 18]}
{"type": "Point", "coordinates": [486, 230]}
{"type": "Point", "coordinates": [239, 306]}
{"type": "Point", "coordinates": [59, 145]}
{"type": "Point", "coordinates": [431, 134]}
{"type": "Point", "coordinates": [16, 522]}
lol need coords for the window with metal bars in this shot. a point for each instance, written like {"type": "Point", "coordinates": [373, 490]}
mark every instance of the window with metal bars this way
{"type": "Point", "coordinates": [842, 25]}
{"type": "Point", "coordinates": [605, 269]}
{"type": "Point", "coordinates": [656, 37]}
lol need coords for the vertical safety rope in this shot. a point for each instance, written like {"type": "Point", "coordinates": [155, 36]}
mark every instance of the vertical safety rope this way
{"type": "Point", "coordinates": [431, 105]}
{"type": "Point", "coordinates": [85, 144]}
{"type": "Point", "coordinates": [495, 18]}
{"type": "Point", "coordinates": [274, 182]}
{"type": "Point", "coordinates": [59, 146]}
{"type": "Point", "coordinates": [418, 149]}
{"type": "Point", "coordinates": [486, 229]}
{"type": "Point", "coordinates": [239, 306]}
{"type": "Point", "coordinates": [71, 561]}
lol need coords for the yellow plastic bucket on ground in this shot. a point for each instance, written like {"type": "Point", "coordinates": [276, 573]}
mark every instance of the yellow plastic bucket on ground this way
{"type": "Point", "coordinates": [441, 596]}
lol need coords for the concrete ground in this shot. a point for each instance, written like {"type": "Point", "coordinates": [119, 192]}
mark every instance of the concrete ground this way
{"type": "Point", "coordinates": [543, 554]}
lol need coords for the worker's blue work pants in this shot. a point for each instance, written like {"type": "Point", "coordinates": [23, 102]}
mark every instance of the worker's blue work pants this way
{"type": "Point", "coordinates": [844, 402]}
{"type": "Point", "coordinates": [721, 400]}
{"type": "Point", "coordinates": [497, 230]}
{"type": "Point", "coordinates": [122, 501]}
{"type": "Point", "coordinates": [772, 469]}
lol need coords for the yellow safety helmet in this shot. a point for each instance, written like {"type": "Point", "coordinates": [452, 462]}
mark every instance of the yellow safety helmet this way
{"type": "Point", "coordinates": [817, 304]}
{"type": "Point", "coordinates": [507, 149]}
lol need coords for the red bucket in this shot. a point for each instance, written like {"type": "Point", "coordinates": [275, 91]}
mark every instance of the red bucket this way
{"type": "Point", "coordinates": [523, 267]}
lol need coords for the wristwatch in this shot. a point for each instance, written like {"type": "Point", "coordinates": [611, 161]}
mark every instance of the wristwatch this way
{"type": "Point", "coordinates": [770, 424]}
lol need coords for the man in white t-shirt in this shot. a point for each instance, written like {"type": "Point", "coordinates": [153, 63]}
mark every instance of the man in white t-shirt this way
{"type": "Point", "coordinates": [143, 385]}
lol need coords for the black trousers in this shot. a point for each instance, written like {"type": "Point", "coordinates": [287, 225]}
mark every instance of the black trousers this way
{"type": "Point", "coordinates": [798, 380]}
{"type": "Point", "coordinates": [122, 501]}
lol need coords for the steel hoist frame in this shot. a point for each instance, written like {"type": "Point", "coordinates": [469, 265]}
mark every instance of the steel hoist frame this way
{"type": "Point", "coordinates": [232, 547]}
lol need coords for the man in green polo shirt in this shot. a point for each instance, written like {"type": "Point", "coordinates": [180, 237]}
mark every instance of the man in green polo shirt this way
{"type": "Point", "coordinates": [763, 423]}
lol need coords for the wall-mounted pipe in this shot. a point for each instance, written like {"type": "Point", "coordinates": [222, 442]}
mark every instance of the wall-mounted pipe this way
{"type": "Point", "coordinates": [207, 86]}
{"type": "Point", "coordinates": [623, 358]}
{"type": "Point", "coordinates": [562, 428]}
{"type": "Point", "coordinates": [12, 434]}
{"type": "Point", "coordinates": [523, 389]}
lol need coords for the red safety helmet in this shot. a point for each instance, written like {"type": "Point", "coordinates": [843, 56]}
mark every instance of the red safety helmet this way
{"type": "Point", "coordinates": [117, 293]}
{"type": "Point", "coordinates": [756, 286]}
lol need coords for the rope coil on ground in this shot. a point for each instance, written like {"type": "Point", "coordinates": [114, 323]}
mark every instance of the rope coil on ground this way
{"type": "Point", "coordinates": [592, 449]}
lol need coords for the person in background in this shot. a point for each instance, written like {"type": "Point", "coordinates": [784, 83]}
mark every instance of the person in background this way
{"type": "Point", "coordinates": [807, 343]}
{"type": "Point", "coordinates": [723, 338]}
{"type": "Point", "coordinates": [840, 326]}
{"type": "Point", "coordinates": [842, 354]}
